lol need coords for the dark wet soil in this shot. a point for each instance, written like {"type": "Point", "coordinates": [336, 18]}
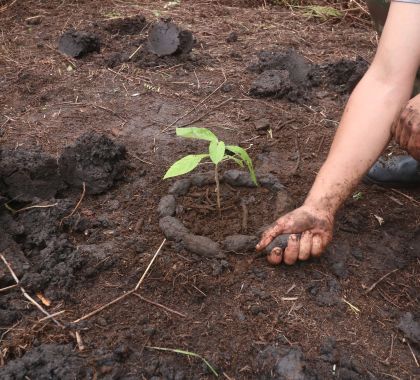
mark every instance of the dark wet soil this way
{"type": "Point", "coordinates": [315, 320]}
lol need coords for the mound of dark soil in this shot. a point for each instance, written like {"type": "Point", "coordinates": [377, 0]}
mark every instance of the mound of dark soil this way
{"type": "Point", "coordinates": [93, 159]}
{"type": "Point", "coordinates": [287, 74]}
{"type": "Point", "coordinates": [126, 25]}
{"type": "Point", "coordinates": [47, 361]}
{"type": "Point", "coordinates": [26, 174]}
{"type": "Point", "coordinates": [77, 44]}
{"type": "Point", "coordinates": [342, 75]}
{"type": "Point", "coordinates": [282, 74]}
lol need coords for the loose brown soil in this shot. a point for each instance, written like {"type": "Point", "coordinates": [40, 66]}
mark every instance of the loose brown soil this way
{"type": "Point", "coordinates": [314, 320]}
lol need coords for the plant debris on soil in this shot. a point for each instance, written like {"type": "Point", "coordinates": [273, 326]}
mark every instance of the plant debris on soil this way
{"type": "Point", "coordinates": [87, 131]}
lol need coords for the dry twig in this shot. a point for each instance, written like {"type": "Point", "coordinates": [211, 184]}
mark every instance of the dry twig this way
{"type": "Point", "coordinates": [26, 295]}
{"type": "Point", "coordinates": [77, 205]}
{"type": "Point", "coordinates": [368, 290]}
{"type": "Point", "coordinates": [160, 305]}
{"type": "Point", "coordinates": [96, 311]}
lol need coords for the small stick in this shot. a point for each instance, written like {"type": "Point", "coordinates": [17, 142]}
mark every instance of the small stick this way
{"type": "Point", "coordinates": [204, 115]}
{"type": "Point", "coordinates": [52, 315]}
{"type": "Point", "coordinates": [35, 206]}
{"type": "Point", "coordinates": [26, 295]}
{"type": "Point", "coordinates": [150, 264]}
{"type": "Point", "coordinates": [160, 305]}
{"type": "Point", "coordinates": [77, 205]}
{"type": "Point", "coordinates": [391, 350]}
{"type": "Point", "coordinates": [195, 107]}
{"type": "Point", "coordinates": [79, 341]}
{"type": "Point", "coordinates": [406, 196]}
{"type": "Point", "coordinates": [412, 353]}
{"type": "Point", "coordinates": [96, 311]}
{"type": "Point", "coordinates": [368, 290]}
{"type": "Point", "coordinates": [8, 288]}
{"type": "Point", "coordinates": [227, 377]}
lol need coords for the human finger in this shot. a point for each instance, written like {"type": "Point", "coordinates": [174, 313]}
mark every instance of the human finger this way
{"type": "Point", "coordinates": [317, 246]}
{"type": "Point", "coordinates": [291, 252]}
{"type": "Point", "coordinates": [305, 245]}
{"type": "Point", "coordinates": [406, 122]}
{"type": "Point", "coordinates": [275, 256]}
{"type": "Point", "coordinates": [270, 234]}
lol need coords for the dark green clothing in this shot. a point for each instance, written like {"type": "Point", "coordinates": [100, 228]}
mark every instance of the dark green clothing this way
{"type": "Point", "coordinates": [379, 10]}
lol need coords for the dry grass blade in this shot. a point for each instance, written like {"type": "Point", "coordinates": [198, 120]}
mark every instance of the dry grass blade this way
{"type": "Point", "coordinates": [368, 290]}
{"type": "Point", "coordinates": [187, 353]}
{"type": "Point", "coordinates": [159, 305]}
{"type": "Point", "coordinates": [77, 205]}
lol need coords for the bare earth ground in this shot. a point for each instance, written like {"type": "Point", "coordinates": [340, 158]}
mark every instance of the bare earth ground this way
{"type": "Point", "coordinates": [237, 312]}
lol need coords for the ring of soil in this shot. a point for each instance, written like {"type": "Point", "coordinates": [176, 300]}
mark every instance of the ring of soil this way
{"type": "Point", "coordinates": [188, 213]}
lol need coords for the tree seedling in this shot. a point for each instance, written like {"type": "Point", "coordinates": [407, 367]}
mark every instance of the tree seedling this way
{"type": "Point", "coordinates": [218, 152]}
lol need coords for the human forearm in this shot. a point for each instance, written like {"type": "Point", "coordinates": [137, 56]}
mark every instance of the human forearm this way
{"type": "Point", "coordinates": [364, 131]}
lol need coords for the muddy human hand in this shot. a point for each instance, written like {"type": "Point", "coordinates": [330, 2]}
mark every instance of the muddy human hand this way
{"type": "Point", "coordinates": [310, 232]}
{"type": "Point", "coordinates": [406, 130]}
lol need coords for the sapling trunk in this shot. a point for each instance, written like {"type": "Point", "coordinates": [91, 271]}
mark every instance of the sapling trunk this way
{"type": "Point", "coordinates": [216, 177]}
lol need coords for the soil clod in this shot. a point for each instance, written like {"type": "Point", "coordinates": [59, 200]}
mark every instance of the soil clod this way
{"type": "Point", "coordinates": [26, 175]}
{"type": "Point", "coordinates": [77, 44]}
{"type": "Point", "coordinates": [201, 245]}
{"type": "Point", "coordinates": [47, 361]}
{"type": "Point", "coordinates": [240, 243]}
{"type": "Point", "coordinates": [167, 206]}
{"type": "Point", "coordinates": [95, 160]}
{"type": "Point", "coordinates": [172, 228]}
{"type": "Point", "coordinates": [166, 38]}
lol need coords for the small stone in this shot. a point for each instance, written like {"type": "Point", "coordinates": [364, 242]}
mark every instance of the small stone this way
{"type": "Point", "coordinates": [202, 179]}
{"type": "Point", "coordinates": [201, 245]}
{"type": "Point", "coordinates": [240, 243]}
{"type": "Point", "coordinates": [180, 187]}
{"type": "Point", "coordinates": [172, 228]}
{"type": "Point", "coordinates": [262, 124]}
{"type": "Point", "coordinates": [236, 177]}
{"type": "Point", "coordinates": [167, 206]}
{"type": "Point", "coordinates": [232, 37]}
{"type": "Point", "coordinates": [150, 330]}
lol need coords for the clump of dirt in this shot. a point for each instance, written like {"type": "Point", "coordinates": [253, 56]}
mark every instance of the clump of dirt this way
{"type": "Point", "coordinates": [282, 74]}
{"type": "Point", "coordinates": [77, 44]}
{"type": "Point", "coordinates": [342, 75]}
{"type": "Point", "coordinates": [26, 174]}
{"type": "Point", "coordinates": [126, 25]}
{"type": "Point", "coordinates": [287, 74]}
{"type": "Point", "coordinates": [95, 160]}
{"type": "Point", "coordinates": [166, 38]}
{"type": "Point", "coordinates": [48, 361]}
{"type": "Point", "coordinates": [277, 362]}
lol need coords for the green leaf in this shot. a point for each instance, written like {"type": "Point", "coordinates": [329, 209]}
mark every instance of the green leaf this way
{"type": "Point", "coordinates": [184, 165]}
{"type": "Point", "coordinates": [238, 161]}
{"type": "Point", "coordinates": [196, 133]}
{"type": "Point", "coordinates": [245, 157]}
{"type": "Point", "coordinates": [217, 151]}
